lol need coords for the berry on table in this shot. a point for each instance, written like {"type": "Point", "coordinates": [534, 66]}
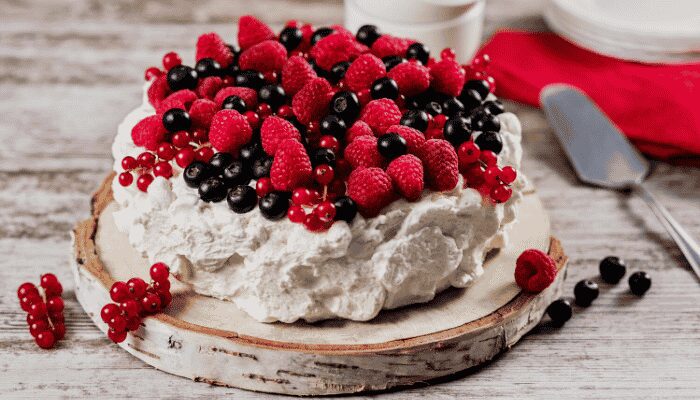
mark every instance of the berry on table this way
{"type": "Point", "coordinates": [586, 291]}
{"type": "Point", "coordinates": [137, 288]}
{"type": "Point", "coordinates": [116, 336]}
{"type": "Point", "coordinates": [27, 288]}
{"type": "Point", "coordinates": [151, 303]}
{"type": "Point", "coordinates": [612, 269]}
{"type": "Point", "coordinates": [534, 271]}
{"type": "Point", "coordinates": [560, 311]}
{"type": "Point", "coordinates": [45, 339]}
{"type": "Point", "coordinates": [119, 292]}
{"type": "Point", "coordinates": [639, 283]}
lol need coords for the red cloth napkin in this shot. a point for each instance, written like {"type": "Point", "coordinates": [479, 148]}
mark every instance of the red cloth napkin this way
{"type": "Point", "coordinates": [656, 106]}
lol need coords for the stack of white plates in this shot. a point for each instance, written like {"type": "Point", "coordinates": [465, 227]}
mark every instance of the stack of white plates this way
{"type": "Point", "coordinates": [654, 31]}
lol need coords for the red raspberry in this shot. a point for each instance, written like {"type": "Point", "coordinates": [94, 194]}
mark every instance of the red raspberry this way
{"type": "Point", "coordinates": [210, 45]}
{"type": "Point", "coordinates": [249, 96]}
{"type": "Point", "coordinates": [406, 173]}
{"type": "Point", "coordinates": [534, 271]}
{"type": "Point", "coordinates": [229, 131]}
{"type": "Point", "coordinates": [371, 189]}
{"type": "Point", "coordinates": [363, 71]}
{"type": "Point", "coordinates": [149, 132]}
{"type": "Point", "coordinates": [411, 77]}
{"type": "Point", "coordinates": [441, 165]}
{"type": "Point", "coordinates": [209, 87]}
{"type": "Point", "coordinates": [414, 138]}
{"type": "Point", "coordinates": [380, 114]}
{"type": "Point", "coordinates": [311, 102]}
{"type": "Point", "coordinates": [291, 167]}
{"type": "Point", "coordinates": [252, 31]}
{"type": "Point", "coordinates": [447, 77]}
{"type": "Point", "coordinates": [363, 152]}
{"type": "Point", "coordinates": [181, 99]}
{"type": "Point", "coordinates": [201, 113]}
{"type": "Point", "coordinates": [388, 45]}
{"type": "Point", "coordinates": [266, 56]}
{"type": "Point", "coordinates": [295, 73]}
{"type": "Point", "coordinates": [274, 130]}
{"type": "Point", "coordinates": [357, 129]}
{"type": "Point", "coordinates": [158, 90]}
{"type": "Point", "coordinates": [335, 48]}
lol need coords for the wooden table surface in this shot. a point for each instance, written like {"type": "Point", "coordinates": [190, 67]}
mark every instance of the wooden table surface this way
{"type": "Point", "coordinates": [71, 70]}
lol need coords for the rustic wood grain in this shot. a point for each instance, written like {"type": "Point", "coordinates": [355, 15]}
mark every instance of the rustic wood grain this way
{"type": "Point", "coordinates": [70, 70]}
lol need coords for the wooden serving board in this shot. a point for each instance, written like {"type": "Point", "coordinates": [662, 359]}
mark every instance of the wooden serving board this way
{"type": "Point", "coordinates": [212, 341]}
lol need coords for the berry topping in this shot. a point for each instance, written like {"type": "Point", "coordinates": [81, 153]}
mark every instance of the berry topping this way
{"type": "Point", "coordinates": [273, 206]}
{"type": "Point", "coordinates": [406, 173]}
{"type": "Point", "coordinates": [345, 209]}
{"type": "Point", "coordinates": [489, 141]}
{"type": "Point", "coordinates": [252, 31]}
{"type": "Point", "coordinates": [291, 37]}
{"type": "Point", "coordinates": [291, 167]}
{"type": "Point", "coordinates": [384, 88]}
{"type": "Point", "coordinates": [534, 271]}
{"type": "Point", "coordinates": [419, 51]}
{"type": "Point", "coordinates": [211, 46]}
{"type": "Point", "coordinates": [269, 55]}
{"type": "Point", "coordinates": [311, 102]}
{"type": "Point", "coordinates": [176, 119]}
{"type": "Point", "coordinates": [639, 283]}
{"type": "Point", "coordinates": [411, 78]}
{"type": "Point", "coordinates": [207, 67]}
{"type": "Point", "coordinates": [229, 131]}
{"type": "Point", "coordinates": [447, 77]}
{"type": "Point", "coordinates": [212, 189]}
{"type": "Point", "coordinates": [262, 167]}
{"type": "Point", "coordinates": [457, 130]}
{"type": "Point", "coordinates": [481, 86]}
{"type": "Point", "coordinates": [171, 60]}
{"type": "Point", "coordinates": [371, 189]}
{"type": "Point", "coordinates": [560, 311]}
{"type": "Point", "coordinates": [182, 77]}
{"type": "Point", "coordinates": [380, 115]}
{"type": "Point", "coordinates": [242, 199]}
{"type": "Point", "coordinates": [586, 291]}
{"type": "Point", "coordinates": [366, 69]}
{"type": "Point", "coordinates": [388, 45]}
{"type": "Point", "coordinates": [345, 105]}
{"type": "Point", "coordinates": [367, 34]}
{"type": "Point", "coordinates": [274, 130]}
{"type": "Point", "coordinates": [440, 163]}
{"type": "Point", "coordinates": [149, 132]}
{"type": "Point", "coordinates": [296, 72]}
{"type": "Point", "coordinates": [392, 145]}
{"type": "Point", "coordinates": [612, 269]}
{"type": "Point", "coordinates": [336, 48]}
{"type": "Point", "coordinates": [363, 152]}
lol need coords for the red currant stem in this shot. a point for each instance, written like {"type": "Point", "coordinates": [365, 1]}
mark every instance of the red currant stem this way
{"type": "Point", "coordinates": [325, 192]}
{"type": "Point", "coordinates": [42, 293]}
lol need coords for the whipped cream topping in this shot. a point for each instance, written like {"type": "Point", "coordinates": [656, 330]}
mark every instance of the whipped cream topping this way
{"type": "Point", "coordinates": [280, 271]}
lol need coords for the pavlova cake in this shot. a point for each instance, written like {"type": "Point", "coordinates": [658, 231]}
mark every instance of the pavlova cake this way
{"type": "Point", "coordinates": [317, 173]}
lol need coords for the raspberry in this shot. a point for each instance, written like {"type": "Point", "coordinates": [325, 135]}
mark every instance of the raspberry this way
{"type": "Point", "coordinates": [291, 167]}
{"type": "Point", "coordinates": [158, 90]}
{"type": "Point", "coordinates": [363, 71]}
{"type": "Point", "coordinates": [201, 113]}
{"type": "Point", "coordinates": [266, 56]}
{"type": "Point", "coordinates": [371, 190]}
{"type": "Point", "coordinates": [363, 152]}
{"type": "Point", "coordinates": [388, 45]}
{"type": "Point", "coordinates": [249, 96]}
{"type": "Point", "coordinates": [295, 73]}
{"type": "Point", "coordinates": [534, 271]}
{"type": "Point", "coordinates": [411, 77]}
{"type": "Point", "coordinates": [252, 31]}
{"type": "Point", "coordinates": [274, 130]}
{"type": "Point", "coordinates": [311, 102]}
{"type": "Point", "coordinates": [209, 87]}
{"type": "Point", "coordinates": [380, 114]}
{"type": "Point", "coordinates": [406, 173]}
{"type": "Point", "coordinates": [181, 99]}
{"type": "Point", "coordinates": [357, 129]}
{"type": "Point", "coordinates": [447, 77]}
{"type": "Point", "coordinates": [414, 138]}
{"type": "Point", "coordinates": [335, 48]}
{"type": "Point", "coordinates": [440, 162]}
{"type": "Point", "coordinates": [229, 131]}
{"type": "Point", "coordinates": [149, 132]}
{"type": "Point", "coordinates": [210, 45]}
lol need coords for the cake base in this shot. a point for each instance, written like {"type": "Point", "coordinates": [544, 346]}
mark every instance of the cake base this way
{"type": "Point", "coordinates": [211, 341]}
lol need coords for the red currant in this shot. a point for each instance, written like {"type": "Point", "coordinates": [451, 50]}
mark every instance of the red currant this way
{"type": "Point", "coordinates": [165, 299]}
{"type": "Point", "coordinates": [116, 337]}
{"type": "Point", "coordinates": [204, 154]}
{"type": "Point", "coordinates": [57, 318]}
{"type": "Point", "coordinates": [508, 175]}
{"type": "Point", "coordinates": [51, 285]}
{"type": "Point", "coordinates": [501, 193]}
{"type": "Point", "coordinates": [301, 196]}
{"type": "Point", "coordinates": [481, 62]}
{"type": "Point", "coordinates": [151, 303]}
{"type": "Point", "coordinates": [133, 324]}
{"type": "Point", "coordinates": [163, 169]}
{"type": "Point", "coordinates": [130, 308]}
{"type": "Point", "coordinates": [137, 288]}
{"type": "Point", "coordinates": [126, 179]}
{"type": "Point", "coordinates": [165, 151]}
{"type": "Point", "coordinates": [45, 340]}
{"type": "Point", "coordinates": [119, 292]}
{"type": "Point", "coordinates": [171, 60]}
{"type": "Point", "coordinates": [161, 286]}
{"type": "Point", "coordinates": [152, 73]}
{"type": "Point", "coordinates": [439, 121]}
{"type": "Point", "coordinates": [27, 301]}
{"type": "Point", "coordinates": [264, 110]}
{"type": "Point", "coordinates": [467, 153]}
{"type": "Point", "coordinates": [159, 272]}
{"type": "Point", "coordinates": [38, 309]}
{"type": "Point", "coordinates": [324, 174]}
{"type": "Point", "coordinates": [184, 157]}
{"type": "Point", "coordinates": [55, 304]}
{"type": "Point", "coordinates": [296, 214]}
{"type": "Point", "coordinates": [25, 289]}
{"type": "Point", "coordinates": [314, 223]}
{"type": "Point", "coordinates": [144, 182]}
{"type": "Point", "coordinates": [181, 139]}
{"type": "Point", "coordinates": [447, 53]}
{"type": "Point", "coordinates": [325, 211]}
{"type": "Point", "coordinates": [329, 142]}
{"type": "Point", "coordinates": [146, 159]}
{"type": "Point", "coordinates": [488, 157]}
{"type": "Point", "coordinates": [491, 175]}
{"type": "Point", "coordinates": [263, 186]}
{"type": "Point", "coordinates": [59, 330]}
{"type": "Point", "coordinates": [109, 311]}
{"type": "Point", "coordinates": [200, 136]}
{"type": "Point", "coordinates": [38, 326]}
{"type": "Point", "coordinates": [118, 323]}
{"type": "Point", "coordinates": [285, 111]}
{"type": "Point", "coordinates": [253, 119]}
{"type": "Point", "coordinates": [129, 163]}
{"type": "Point", "coordinates": [474, 175]}
{"type": "Point", "coordinates": [270, 77]}
{"type": "Point", "coordinates": [342, 167]}
{"type": "Point", "coordinates": [364, 96]}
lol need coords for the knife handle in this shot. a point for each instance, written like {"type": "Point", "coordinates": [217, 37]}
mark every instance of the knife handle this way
{"type": "Point", "coordinates": [688, 246]}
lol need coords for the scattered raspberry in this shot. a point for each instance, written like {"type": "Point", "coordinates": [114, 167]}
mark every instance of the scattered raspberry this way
{"type": "Point", "coordinates": [158, 90]}
{"type": "Point", "coordinates": [366, 69]}
{"type": "Point", "coordinates": [380, 114]}
{"type": "Point", "coordinates": [209, 87]}
{"type": "Point", "coordinates": [266, 56]}
{"type": "Point", "coordinates": [311, 102]}
{"type": "Point", "coordinates": [291, 167]}
{"type": "Point", "coordinates": [371, 189]}
{"type": "Point", "coordinates": [181, 99]}
{"type": "Point", "coordinates": [414, 138]}
{"type": "Point", "coordinates": [441, 166]}
{"type": "Point", "coordinates": [210, 45]}
{"type": "Point", "coordinates": [295, 73]}
{"type": "Point", "coordinates": [274, 130]}
{"type": "Point", "coordinates": [406, 173]}
{"type": "Point", "coordinates": [388, 45]}
{"type": "Point", "coordinates": [249, 96]}
{"type": "Point", "coordinates": [448, 77]}
{"type": "Point", "coordinates": [411, 77]}
{"type": "Point", "coordinates": [252, 31]}
{"type": "Point", "coordinates": [335, 48]}
{"type": "Point", "coordinates": [363, 152]}
{"type": "Point", "coordinates": [201, 113]}
{"type": "Point", "coordinates": [534, 271]}
{"type": "Point", "coordinates": [357, 129]}
{"type": "Point", "coordinates": [229, 131]}
{"type": "Point", "coordinates": [148, 132]}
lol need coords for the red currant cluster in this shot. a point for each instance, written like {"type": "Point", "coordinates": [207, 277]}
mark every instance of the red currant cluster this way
{"type": "Point", "coordinates": [481, 171]}
{"type": "Point", "coordinates": [135, 299]}
{"type": "Point", "coordinates": [44, 307]}
{"type": "Point", "coordinates": [478, 69]}
{"type": "Point", "coordinates": [146, 166]}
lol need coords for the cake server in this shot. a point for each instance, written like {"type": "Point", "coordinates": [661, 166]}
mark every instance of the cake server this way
{"type": "Point", "coordinates": [602, 156]}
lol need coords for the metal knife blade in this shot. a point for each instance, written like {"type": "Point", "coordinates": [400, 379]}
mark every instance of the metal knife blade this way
{"type": "Point", "coordinates": [600, 154]}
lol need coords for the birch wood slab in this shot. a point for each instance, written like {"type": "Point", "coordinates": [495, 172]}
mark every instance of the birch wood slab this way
{"type": "Point", "coordinates": [211, 341]}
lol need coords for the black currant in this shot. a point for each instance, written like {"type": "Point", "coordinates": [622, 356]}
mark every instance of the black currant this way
{"type": "Point", "coordinates": [482, 120]}
{"type": "Point", "coordinates": [346, 105]}
{"type": "Point", "coordinates": [416, 119]}
{"type": "Point", "coordinates": [456, 130]}
{"type": "Point", "coordinates": [490, 140]}
{"type": "Point", "coordinates": [384, 88]}
{"type": "Point", "coordinates": [242, 199]}
{"type": "Point", "coordinates": [345, 209]}
{"type": "Point", "coordinates": [236, 173]}
{"type": "Point", "coordinates": [234, 102]}
{"type": "Point", "coordinates": [219, 161]}
{"type": "Point", "coordinates": [182, 77]}
{"type": "Point", "coordinates": [291, 37]}
{"type": "Point", "coordinates": [249, 153]}
{"type": "Point", "coordinates": [639, 283]}
{"type": "Point", "coordinates": [433, 108]}
{"type": "Point", "coordinates": [319, 34]}
{"type": "Point", "coordinates": [195, 173]}
{"type": "Point", "coordinates": [274, 205]}
{"type": "Point", "coordinates": [333, 125]}
{"type": "Point", "coordinates": [323, 156]}
{"type": "Point", "coordinates": [452, 107]}
{"type": "Point", "coordinates": [391, 61]}
{"type": "Point", "coordinates": [250, 79]}
{"type": "Point", "coordinates": [212, 189]}
{"type": "Point", "coordinates": [586, 291]}
{"type": "Point", "coordinates": [612, 269]}
{"type": "Point", "coordinates": [560, 311]}
{"type": "Point", "coordinates": [367, 34]}
{"type": "Point", "coordinates": [261, 167]}
{"type": "Point", "coordinates": [207, 67]}
{"type": "Point", "coordinates": [319, 71]}
{"type": "Point", "coordinates": [392, 145]}
{"type": "Point", "coordinates": [495, 107]}
{"type": "Point", "coordinates": [273, 95]}
{"type": "Point", "coordinates": [480, 86]}
{"type": "Point", "coordinates": [470, 98]}
{"type": "Point", "coordinates": [338, 71]}
{"type": "Point", "coordinates": [176, 119]}
{"type": "Point", "coordinates": [418, 51]}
